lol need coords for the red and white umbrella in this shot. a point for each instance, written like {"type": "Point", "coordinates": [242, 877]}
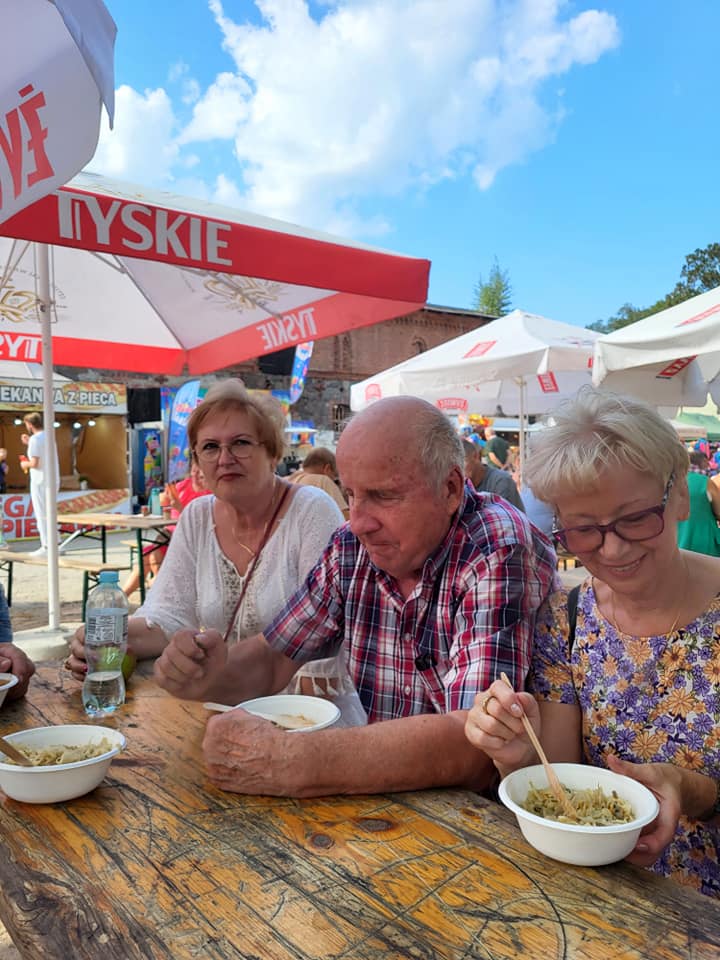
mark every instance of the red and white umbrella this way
{"type": "Point", "coordinates": [112, 275]}
{"type": "Point", "coordinates": [150, 281]}
{"type": "Point", "coordinates": [56, 71]}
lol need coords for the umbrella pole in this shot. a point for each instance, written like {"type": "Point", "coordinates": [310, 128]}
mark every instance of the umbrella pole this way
{"type": "Point", "coordinates": [50, 464]}
{"type": "Point", "coordinates": [521, 384]}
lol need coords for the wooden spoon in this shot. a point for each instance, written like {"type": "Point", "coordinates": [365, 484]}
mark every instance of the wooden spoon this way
{"type": "Point", "coordinates": [9, 750]}
{"type": "Point", "coordinates": [556, 787]}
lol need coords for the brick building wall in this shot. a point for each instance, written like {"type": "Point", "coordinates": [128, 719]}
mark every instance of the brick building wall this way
{"type": "Point", "coordinates": [337, 362]}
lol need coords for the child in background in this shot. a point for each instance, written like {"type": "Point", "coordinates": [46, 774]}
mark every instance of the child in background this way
{"type": "Point", "coordinates": [177, 496]}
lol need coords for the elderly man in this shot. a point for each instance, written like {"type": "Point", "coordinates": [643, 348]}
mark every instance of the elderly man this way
{"type": "Point", "coordinates": [487, 479]}
{"type": "Point", "coordinates": [319, 469]}
{"type": "Point", "coordinates": [430, 590]}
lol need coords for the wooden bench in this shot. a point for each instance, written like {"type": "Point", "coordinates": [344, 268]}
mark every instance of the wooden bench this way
{"type": "Point", "coordinates": [91, 569]}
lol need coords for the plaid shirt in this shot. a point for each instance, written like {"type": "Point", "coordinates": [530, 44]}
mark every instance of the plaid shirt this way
{"type": "Point", "coordinates": [470, 617]}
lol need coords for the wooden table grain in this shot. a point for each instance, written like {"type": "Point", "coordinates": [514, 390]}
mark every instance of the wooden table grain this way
{"type": "Point", "coordinates": [158, 863]}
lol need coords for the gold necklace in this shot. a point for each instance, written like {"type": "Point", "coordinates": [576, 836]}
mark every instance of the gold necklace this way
{"type": "Point", "coordinates": [236, 538]}
{"type": "Point", "coordinates": [613, 620]}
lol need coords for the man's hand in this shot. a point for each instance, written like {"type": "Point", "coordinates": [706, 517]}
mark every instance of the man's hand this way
{"type": "Point", "coordinates": [13, 660]}
{"type": "Point", "coordinates": [191, 664]}
{"type": "Point", "coordinates": [244, 754]}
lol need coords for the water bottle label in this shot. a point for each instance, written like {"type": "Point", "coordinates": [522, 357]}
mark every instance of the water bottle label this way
{"type": "Point", "coordinates": [106, 628]}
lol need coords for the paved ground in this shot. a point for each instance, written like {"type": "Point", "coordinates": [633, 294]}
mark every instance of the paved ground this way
{"type": "Point", "coordinates": [29, 616]}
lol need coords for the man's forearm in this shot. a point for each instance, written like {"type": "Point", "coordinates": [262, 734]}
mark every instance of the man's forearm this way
{"type": "Point", "coordinates": [413, 753]}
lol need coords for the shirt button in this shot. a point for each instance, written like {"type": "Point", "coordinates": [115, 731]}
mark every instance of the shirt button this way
{"type": "Point", "coordinates": [408, 691]}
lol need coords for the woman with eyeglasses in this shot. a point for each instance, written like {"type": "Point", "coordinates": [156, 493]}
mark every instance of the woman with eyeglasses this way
{"type": "Point", "coordinates": [637, 688]}
{"type": "Point", "coordinates": [256, 527]}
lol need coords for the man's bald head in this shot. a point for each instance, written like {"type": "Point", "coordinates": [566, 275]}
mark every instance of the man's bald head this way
{"type": "Point", "coordinates": [407, 429]}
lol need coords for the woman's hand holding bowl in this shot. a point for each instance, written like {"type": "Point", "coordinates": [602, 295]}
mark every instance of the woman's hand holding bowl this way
{"type": "Point", "coordinates": [494, 725]}
{"type": "Point", "coordinates": [666, 781]}
{"type": "Point", "coordinates": [191, 664]}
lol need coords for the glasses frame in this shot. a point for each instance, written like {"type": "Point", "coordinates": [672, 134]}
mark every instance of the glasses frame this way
{"type": "Point", "coordinates": [559, 534]}
{"type": "Point", "coordinates": [252, 445]}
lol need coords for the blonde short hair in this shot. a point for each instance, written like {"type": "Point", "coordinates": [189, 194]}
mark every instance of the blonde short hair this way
{"type": "Point", "coordinates": [595, 431]}
{"type": "Point", "coordinates": [230, 396]}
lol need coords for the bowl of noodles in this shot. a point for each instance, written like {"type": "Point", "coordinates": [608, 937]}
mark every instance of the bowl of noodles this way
{"type": "Point", "coordinates": [69, 760]}
{"type": "Point", "coordinates": [7, 680]}
{"type": "Point", "coordinates": [613, 808]}
{"type": "Point", "coordinates": [295, 712]}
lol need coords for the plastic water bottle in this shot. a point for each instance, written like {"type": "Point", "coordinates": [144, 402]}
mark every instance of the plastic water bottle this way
{"type": "Point", "coordinates": [106, 628]}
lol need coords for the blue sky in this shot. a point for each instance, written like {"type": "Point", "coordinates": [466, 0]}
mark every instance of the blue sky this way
{"type": "Point", "coordinates": [577, 143]}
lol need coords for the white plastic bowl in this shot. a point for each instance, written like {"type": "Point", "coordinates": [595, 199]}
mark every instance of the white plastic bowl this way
{"type": "Point", "coordinates": [7, 680]}
{"type": "Point", "coordinates": [65, 781]}
{"type": "Point", "coordinates": [322, 712]}
{"type": "Point", "coordinates": [575, 843]}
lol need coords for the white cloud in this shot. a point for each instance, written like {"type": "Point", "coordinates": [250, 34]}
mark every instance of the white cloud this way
{"type": "Point", "coordinates": [190, 88]}
{"type": "Point", "coordinates": [142, 147]}
{"type": "Point", "coordinates": [220, 112]}
{"type": "Point", "coordinates": [177, 71]}
{"type": "Point", "coordinates": [382, 96]}
{"type": "Point", "coordinates": [375, 97]}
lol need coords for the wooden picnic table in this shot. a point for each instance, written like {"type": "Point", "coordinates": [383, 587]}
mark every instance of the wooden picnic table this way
{"type": "Point", "coordinates": [91, 523]}
{"type": "Point", "coordinates": [158, 863]}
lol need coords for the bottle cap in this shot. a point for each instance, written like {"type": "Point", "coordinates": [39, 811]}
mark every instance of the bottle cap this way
{"type": "Point", "coordinates": [109, 576]}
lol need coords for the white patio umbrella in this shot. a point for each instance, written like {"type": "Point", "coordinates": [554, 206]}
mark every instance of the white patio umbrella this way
{"type": "Point", "coordinates": [149, 281]}
{"type": "Point", "coordinates": [523, 362]}
{"type": "Point", "coordinates": [56, 71]}
{"type": "Point", "coordinates": [671, 358]}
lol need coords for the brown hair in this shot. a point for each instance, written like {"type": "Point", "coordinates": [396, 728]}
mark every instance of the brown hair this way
{"type": "Point", "coordinates": [231, 396]}
{"type": "Point", "coordinates": [34, 419]}
{"type": "Point", "coordinates": [320, 457]}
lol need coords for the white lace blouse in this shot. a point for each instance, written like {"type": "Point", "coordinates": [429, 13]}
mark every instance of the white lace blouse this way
{"type": "Point", "coordinates": [197, 585]}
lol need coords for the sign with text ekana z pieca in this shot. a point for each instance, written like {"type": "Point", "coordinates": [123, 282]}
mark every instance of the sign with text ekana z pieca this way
{"type": "Point", "coordinates": [70, 397]}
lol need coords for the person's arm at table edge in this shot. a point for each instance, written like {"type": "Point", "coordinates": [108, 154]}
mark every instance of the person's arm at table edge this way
{"type": "Point", "coordinates": [411, 753]}
{"type": "Point", "coordinates": [14, 660]}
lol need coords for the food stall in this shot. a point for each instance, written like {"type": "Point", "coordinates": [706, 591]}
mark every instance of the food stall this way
{"type": "Point", "coordinates": [91, 437]}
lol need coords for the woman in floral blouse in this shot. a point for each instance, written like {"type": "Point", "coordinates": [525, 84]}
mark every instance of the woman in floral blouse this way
{"type": "Point", "coordinates": [638, 690]}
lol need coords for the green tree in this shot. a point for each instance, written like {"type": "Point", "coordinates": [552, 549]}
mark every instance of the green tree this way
{"type": "Point", "coordinates": [700, 272]}
{"type": "Point", "coordinates": [494, 296]}
{"type": "Point", "coordinates": [625, 315]}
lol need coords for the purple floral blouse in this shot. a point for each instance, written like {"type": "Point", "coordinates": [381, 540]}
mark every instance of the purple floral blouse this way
{"type": "Point", "coordinates": [647, 699]}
